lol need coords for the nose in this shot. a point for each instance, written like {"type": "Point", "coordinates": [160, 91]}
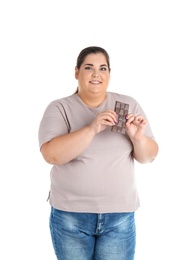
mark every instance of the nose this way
{"type": "Point", "coordinates": [95, 73]}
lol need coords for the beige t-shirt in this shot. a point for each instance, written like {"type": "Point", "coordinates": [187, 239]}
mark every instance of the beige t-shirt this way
{"type": "Point", "coordinates": [101, 179]}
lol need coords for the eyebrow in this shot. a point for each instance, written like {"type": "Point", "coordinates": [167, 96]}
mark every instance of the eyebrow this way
{"type": "Point", "coordinates": [89, 64]}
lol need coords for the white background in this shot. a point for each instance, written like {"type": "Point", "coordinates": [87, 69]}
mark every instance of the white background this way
{"type": "Point", "coordinates": [148, 44]}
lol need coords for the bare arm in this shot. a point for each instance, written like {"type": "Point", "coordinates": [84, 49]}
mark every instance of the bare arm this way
{"type": "Point", "coordinates": [64, 148]}
{"type": "Point", "coordinates": [145, 148]}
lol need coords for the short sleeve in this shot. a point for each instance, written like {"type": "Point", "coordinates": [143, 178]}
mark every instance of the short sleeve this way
{"type": "Point", "coordinates": [54, 123]}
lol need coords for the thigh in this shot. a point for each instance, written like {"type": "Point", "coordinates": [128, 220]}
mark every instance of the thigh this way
{"type": "Point", "coordinates": [71, 235]}
{"type": "Point", "coordinates": [118, 240]}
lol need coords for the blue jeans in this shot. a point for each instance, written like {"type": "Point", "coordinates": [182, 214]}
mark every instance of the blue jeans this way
{"type": "Point", "coordinates": [88, 236]}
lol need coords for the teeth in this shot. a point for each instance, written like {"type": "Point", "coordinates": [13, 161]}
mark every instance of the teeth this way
{"type": "Point", "coordinates": [95, 81]}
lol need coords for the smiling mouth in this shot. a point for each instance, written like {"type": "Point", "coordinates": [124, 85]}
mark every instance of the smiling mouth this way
{"type": "Point", "coordinates": [95, 82]}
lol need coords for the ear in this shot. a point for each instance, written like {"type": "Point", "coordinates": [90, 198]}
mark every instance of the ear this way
{"type": "Point", "coordinates": [76, 72]}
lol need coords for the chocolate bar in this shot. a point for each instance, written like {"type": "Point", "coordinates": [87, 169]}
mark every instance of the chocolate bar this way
{"type": "Point", "coordinates": [121, 109]}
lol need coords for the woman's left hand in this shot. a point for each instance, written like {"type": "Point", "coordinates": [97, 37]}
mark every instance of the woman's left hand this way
{"type": "Point", "coordinates": [135, 126]}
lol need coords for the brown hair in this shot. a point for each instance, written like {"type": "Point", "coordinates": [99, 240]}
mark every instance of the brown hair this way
{"type": "Point", "coordinates": [92, 50]}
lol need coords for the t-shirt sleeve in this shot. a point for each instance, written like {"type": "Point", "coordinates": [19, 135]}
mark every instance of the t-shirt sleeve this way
{"type": "Point", "coordinates": [136, 109]}
{"type": "Point", "coordinates": [54, 123]}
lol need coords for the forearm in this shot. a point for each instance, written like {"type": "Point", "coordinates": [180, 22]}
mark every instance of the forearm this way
{"type": "Point", "coordinates": [64, 148]}
{"type": "Point", "coordinates": [145, 150]}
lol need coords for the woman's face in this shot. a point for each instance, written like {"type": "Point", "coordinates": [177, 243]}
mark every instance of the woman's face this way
{"type": "Point", "coordinates": [93, 76]}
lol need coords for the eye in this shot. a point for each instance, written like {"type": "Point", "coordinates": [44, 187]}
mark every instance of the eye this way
{"type": "Point", "coordinates": [103, 68]}
{"type": "Point", "coordinates": [88, 68]}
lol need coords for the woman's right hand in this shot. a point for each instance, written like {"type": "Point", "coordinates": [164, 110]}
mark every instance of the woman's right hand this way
{"type": "Point", "coordinates": [103, 120]}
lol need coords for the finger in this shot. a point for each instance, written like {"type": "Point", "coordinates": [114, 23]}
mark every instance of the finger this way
{"type": "Point", "coordinates": [130, 118]}
{"type": "Point", "coordinates": [140, 120]}
{"type": "Point", "coordinates": [110, 116]}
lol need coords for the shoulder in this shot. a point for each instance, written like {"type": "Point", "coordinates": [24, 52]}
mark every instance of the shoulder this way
{"type": "Point", "coordinates": [62, 101]}
{"type": "Point", "coordinates": [59, 105]}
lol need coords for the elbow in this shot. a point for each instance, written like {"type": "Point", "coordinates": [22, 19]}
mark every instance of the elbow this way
{"type": "Point", "coordinates": [153, 152]}
{"type": "Point", "coordinates": [48, 156]}
{"type": "Point", "coordinates": [49, 160]}
{"type": "Point", "coordinates": [148, 156]}
{"type": "Point", "coordinates": [145, 160]}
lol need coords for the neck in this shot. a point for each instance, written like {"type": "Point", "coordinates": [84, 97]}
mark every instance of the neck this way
{"type": "Point", "coordinates": [92, 100]}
